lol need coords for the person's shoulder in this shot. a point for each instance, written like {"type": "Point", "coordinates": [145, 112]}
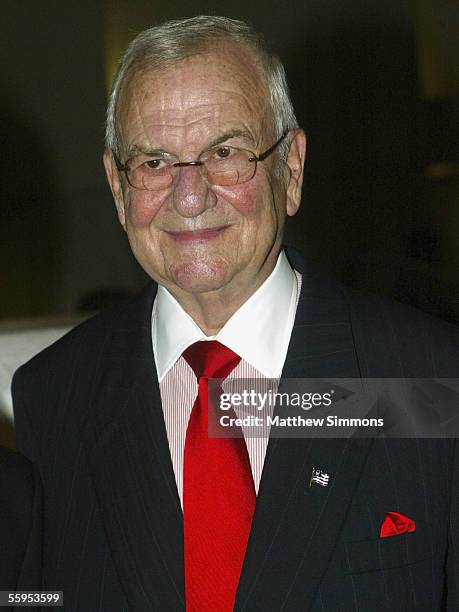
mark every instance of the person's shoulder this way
{"type": "Point", "coordinates": [371, 307]}
{"type": "Point", "coordinates": [376, 307]}
{"type": "Point", "coordinates": [83, 343]}
{"type": "Point", "coordinates": [391, 338]}
{"type": "Point", "coordinates": [420, 343]}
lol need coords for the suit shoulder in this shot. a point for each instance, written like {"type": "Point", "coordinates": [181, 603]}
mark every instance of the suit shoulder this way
{"type": "Point", "coordinates": [90, 332]}
{"type": "Point", "coordinates": [422, 344]}
{"type": "Point", "coordinates": [402, 316]}
{"type": "Point", "coordinates": [83, 343]}
{"type": "Point", "coordinates": [373, 310]}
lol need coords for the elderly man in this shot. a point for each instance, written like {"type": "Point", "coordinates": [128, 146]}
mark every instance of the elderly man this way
{"type": "Point", "coordinates": [145, 511]}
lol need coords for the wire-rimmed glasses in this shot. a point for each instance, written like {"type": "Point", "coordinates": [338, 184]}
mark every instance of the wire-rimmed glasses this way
{"type": "Point", "coordinates": [220, 165]}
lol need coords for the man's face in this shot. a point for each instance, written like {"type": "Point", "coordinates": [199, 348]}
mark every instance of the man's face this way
{"type": "Point", "coordinates": [192, 236]}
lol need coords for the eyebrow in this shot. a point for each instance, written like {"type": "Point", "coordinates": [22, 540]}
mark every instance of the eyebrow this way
{"type": "Point", "coordinates": [137, 150]}
{"type": "Point", "coordinates": [229, 135]}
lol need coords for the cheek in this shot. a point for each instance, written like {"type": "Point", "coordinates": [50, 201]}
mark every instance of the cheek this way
{"type": "Point", "coordinates": [256, 197]}
{"type": "Point", "coordinates": [143, 207]}
{"type": "Point", "coordinates": [245, 199]}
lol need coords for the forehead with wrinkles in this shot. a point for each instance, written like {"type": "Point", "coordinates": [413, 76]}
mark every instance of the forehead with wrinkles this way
{"type": "Point", "coordinates": [217, 90]}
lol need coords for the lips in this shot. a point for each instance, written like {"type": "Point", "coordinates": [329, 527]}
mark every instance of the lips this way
{"type": "Point", "coordinates": [202, 234]}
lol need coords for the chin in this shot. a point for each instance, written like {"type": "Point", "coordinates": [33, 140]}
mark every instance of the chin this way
{"type": "Point", "coordinates": [199, 277]}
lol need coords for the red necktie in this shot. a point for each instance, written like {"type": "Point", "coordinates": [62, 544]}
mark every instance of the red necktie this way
{"type": "Point", "coordinates": [218, 493]}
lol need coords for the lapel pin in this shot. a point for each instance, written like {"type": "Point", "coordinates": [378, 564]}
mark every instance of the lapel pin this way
{"type": "Point", "coordinates": [319, 477]}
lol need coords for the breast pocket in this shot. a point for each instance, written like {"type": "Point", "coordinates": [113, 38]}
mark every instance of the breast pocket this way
{"type": "Point", "coordinates": [387, 553]}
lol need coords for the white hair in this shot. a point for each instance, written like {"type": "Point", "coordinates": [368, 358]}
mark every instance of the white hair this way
{"type": "Point", "coordinates": [165, 45]}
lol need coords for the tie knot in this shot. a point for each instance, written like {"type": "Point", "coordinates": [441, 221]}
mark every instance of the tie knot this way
{"type": "Point", "coordinates": [210, 359]}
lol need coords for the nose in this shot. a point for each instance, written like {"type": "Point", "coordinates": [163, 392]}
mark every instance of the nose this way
{"type": "Point", "coordinates": [191, 195]}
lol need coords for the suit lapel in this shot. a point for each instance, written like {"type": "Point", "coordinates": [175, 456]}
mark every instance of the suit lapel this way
{"type": "Point", "coordinates": [296, 526]}
{"type": "Point", "coordinates": [129, 458]}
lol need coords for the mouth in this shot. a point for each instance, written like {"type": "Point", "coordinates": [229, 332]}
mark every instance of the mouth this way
{"type": "Point", "coordinates": [202, 234]}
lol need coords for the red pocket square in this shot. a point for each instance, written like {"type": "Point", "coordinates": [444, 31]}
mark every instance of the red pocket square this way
{"type": "Point", "coordinates": [395, 523]}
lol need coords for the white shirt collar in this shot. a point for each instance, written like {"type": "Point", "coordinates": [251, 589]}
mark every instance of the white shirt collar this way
{"type": "Point", "coordinates": [259, 331]}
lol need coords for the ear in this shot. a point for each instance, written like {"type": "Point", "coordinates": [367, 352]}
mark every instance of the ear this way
{"type": "Point", "coordinates": [115, 185]}
{"type": "Point", "coordinates": [295, 162]}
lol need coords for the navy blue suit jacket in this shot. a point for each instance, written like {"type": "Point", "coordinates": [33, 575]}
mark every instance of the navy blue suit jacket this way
{"type": "Point", "coordinates": [88, 413]}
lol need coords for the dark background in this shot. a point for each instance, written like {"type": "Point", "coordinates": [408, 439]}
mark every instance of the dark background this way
{"type": "Point", "coordinates": [375, 84]}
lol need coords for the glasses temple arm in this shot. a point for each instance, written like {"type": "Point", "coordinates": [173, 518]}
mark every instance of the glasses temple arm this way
{"type": "Point", "coordinates": [268, 152]}
{"type": "Point", "coordinates": [119, 166]}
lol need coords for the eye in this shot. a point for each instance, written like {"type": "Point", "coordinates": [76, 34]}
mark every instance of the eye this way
{"type": "Point", "coordinates": [223, 152]}
{"type": "Point", "coordinates": [154, 164]}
